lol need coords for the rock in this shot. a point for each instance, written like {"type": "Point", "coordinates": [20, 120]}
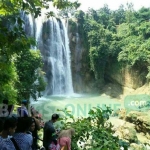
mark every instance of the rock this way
{"type": "Point", "coordinates": [135, 146]}
{"type": "Point", "coordinates": [148, 136]}
{"type": "Point", "coordinates": [133, 115]}
{"type": "Point", "coordinates": [143, 139]}
{"type": "Point", "coordinates": [132, 78]}
{"type": "Point", "coordinates": [122, 114]}
{"type": "Point", "coordinates": [127, 133]}
{"type": "Point", "coordinates": [141, 120]}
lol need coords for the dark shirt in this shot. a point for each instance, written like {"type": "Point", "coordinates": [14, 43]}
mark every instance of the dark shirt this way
{"type": "Point", "coordinates": [49, 134]}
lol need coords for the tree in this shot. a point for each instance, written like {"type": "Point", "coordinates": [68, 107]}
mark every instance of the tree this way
{"type": "Point", "coordinates": [143, 14]}
{"type": "Point", "coordinates": [130, 13]}
{"type": "Point", "coordinates": [119, 15]}
{"type": "Point", "coordinates": [30, 78]}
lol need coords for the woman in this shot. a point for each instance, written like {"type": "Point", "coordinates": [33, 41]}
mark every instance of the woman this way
{"type": "Point", "coordinates": [64, 138]}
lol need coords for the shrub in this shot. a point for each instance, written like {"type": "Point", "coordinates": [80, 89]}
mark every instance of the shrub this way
{"type": "Point", "coordinates": [95, 131]}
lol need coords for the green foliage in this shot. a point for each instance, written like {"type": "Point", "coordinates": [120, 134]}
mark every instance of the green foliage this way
{"type": "Point", "coordinates": [8, 77]}
{"type": "Point", "coordinates": [30, 80]}
{"type": "Point", "coordinates": [62, 4]}
{"type": "Point", "coordinates": [72, 25]}
{"type": "Point", "coordinates": [134, 44]}
{"type": "Point", "coordinates": [143, 14]}
{"type": "Point", "coordinates": [121, 35]}
{"type": "Point", "coordinates": [98, 40]}
{"type": "Point", "coordinates": [119, 15]}
{"type": "Point", "coordinates": [33, 6]}
{"type": "Point", "coordinates": [95, 131]}
{"type": "Point", "coordinates": [144, 30]}
{"type": "Point", "coordinates": [68, 9]}
{"type": "Point", "coordinates": [130, 13]}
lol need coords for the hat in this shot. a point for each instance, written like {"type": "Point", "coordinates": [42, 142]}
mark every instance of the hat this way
{"type": "Point", "coordinates": [24, 102]}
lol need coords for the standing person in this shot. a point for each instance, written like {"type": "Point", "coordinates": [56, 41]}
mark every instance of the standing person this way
{"type": "Point", "coordinates": [31, 131]}
{"type": "Point", "coordinates": [9, 127]}
{"type": "Point", "coordinates": [37, 127]}
{"type": "Point", "coordinates": [22, 111]}
{"type": "Point", "coordinates": [21, 136]}
{"type": "Point", "coordinates": [64, 138]}
{"type": "Point", "coordinates": [49, 132]}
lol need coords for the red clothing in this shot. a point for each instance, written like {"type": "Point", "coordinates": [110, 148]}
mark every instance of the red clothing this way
{"type": "Point", "coordinates": [65, 141]}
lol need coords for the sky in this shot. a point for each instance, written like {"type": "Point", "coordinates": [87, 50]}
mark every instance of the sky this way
{"type": "Point", "coordinates": [112, 4]}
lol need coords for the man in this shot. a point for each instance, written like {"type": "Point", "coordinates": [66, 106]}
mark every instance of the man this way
{"type": "Point", "coordinates": [21, 136]}
{"type": "Point", "coordinates": [9, 127]}
{"type": "Point", "coordinates": [49, 132]}
{"type": "Point", "coordinates": [22, 111]}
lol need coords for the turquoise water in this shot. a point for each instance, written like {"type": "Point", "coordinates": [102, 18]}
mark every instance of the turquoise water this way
{"type": "Point", "coordinates": [78, 105]}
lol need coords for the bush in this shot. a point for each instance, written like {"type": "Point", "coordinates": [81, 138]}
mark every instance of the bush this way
{"type": "Point", "coordinates": [95, 131]}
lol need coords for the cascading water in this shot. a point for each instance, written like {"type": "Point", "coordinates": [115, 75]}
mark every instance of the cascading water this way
{"type": "Point", "coordinates": [58, 58]}
{"type": "Point", "coordinates": [52, 40]}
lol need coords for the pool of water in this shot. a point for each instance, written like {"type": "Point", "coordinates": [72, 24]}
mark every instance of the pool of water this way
{"type": "Point", "coordinates": [78, 104]}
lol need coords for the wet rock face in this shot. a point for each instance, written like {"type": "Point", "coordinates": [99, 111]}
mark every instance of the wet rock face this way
{"type": "Point", "coordinates": [126, 76]}
{"type": "Point", "coordinates": [83, 80]}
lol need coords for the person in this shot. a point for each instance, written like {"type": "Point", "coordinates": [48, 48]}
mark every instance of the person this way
{"type": "Point", "coordinates": [9, 127]}
{"type": "Point", "coordinates": [22, 111]}
{"type": "Point", "coordinates": [37, 127]}
{"type": "Point", "coordinates": [64, 138]}
{"type": "Point", "coordinates": [23, 139]}
{"type": "Point", "coordinates": [31, 132]}
{"type": "Point", "coordinates": [49, 134]}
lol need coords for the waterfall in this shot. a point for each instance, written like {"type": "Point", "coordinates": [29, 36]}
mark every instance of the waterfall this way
{"type": "Point", "coordinates": [52, 40]}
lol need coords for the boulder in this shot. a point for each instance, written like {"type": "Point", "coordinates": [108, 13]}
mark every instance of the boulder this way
{"type": "Point", "coordinates": [126, 133]}
{"type": "Point", "coordinates": [135, 146]}
{"type": "Point", "coordinates": [143, 139]}
{"type": "Point", "coordinates": [141, 121]}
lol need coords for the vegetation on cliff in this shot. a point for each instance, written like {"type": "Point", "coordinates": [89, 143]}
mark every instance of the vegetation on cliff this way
{"type": "Point", "coordinates": [121, 36]}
